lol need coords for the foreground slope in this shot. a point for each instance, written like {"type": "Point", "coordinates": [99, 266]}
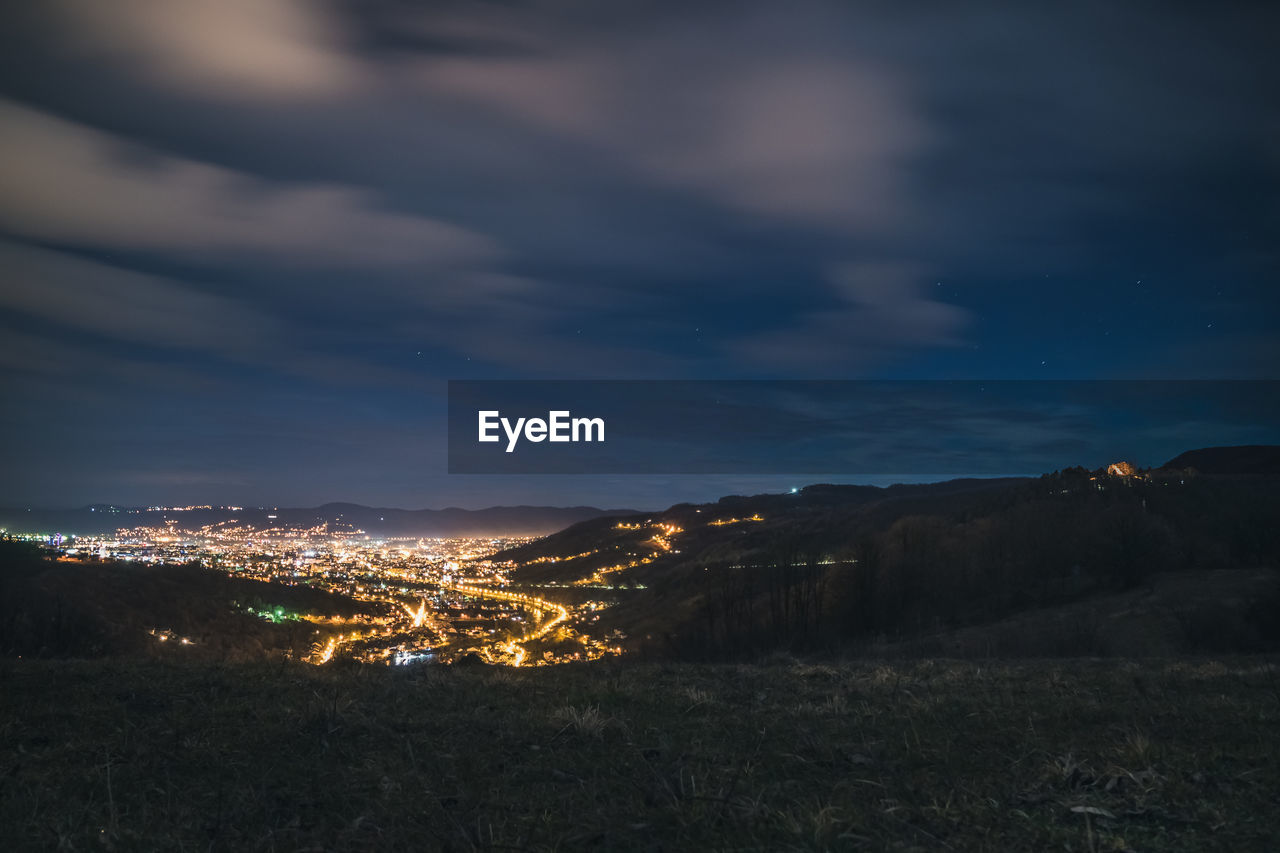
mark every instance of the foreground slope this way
{"type": "Point", "coordinates": [1177, 756]}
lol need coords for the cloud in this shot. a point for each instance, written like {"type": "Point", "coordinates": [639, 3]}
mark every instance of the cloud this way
{"type": "Point", "coordinates": [666, 177]}
{"type": "Point", "coordinates": [100, 329]}
{"type": "Point", "coordinates": [66, 182]}
{"type": "Point", "coordinates": [762, 120]}
{"type": "Point", "coordinates": [127, 306]}
{"type": "Point", "coordinates": [226, 49]}
{"type": "Point", "coordinates": [718, 108]}
{"type": "Point", "coordinates": [879, 308]}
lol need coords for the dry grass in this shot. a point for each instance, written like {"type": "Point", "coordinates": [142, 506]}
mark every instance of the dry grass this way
{"type": "Point", "coordinates": [928, 756]}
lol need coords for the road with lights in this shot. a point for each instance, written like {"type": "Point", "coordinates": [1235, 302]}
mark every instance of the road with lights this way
{"type": "Point", "coordinates": [540, 606]}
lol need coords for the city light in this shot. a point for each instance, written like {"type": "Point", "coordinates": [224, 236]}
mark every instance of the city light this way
{"type": "Point", "coordinates": [421, 599]}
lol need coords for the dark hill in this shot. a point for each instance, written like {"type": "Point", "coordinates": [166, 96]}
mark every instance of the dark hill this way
{"type": "Point", "coordinates": [1255, 459]}
{"type": "Point", "coordinates": [67, 608]}
{"type": "Point", "coordinates": [735, 523]}
{"type": "Point", "coordinates": [839, 567]}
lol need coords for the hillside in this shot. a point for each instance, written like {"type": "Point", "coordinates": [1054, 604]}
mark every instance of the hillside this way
{"type": "Point", "coordinates": [107, 609]}
{"type": "Point", "coordinates": [845, 567]}
{"type": "Point", "coordinates": [1073, 755]}
{"type": "Point", "coordinates": [1174, 613]}
{"type": "Point", "coordinates": [1244, 460]}
{"type": "Point", "coordinates": [733, 524]}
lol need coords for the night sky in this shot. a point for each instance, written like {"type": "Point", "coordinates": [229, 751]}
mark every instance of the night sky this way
{"type": "Point", "coordinates": [245, 243]}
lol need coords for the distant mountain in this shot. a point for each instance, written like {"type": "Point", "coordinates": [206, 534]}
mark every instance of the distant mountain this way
{"type": "Point", "coordinates": [340, 517]}
{"type": "Point", "coordinates": [1258, 459]}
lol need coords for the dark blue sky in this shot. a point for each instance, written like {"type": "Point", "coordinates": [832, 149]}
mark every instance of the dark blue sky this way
{"type": "Point", "coordinates": [244, 244]}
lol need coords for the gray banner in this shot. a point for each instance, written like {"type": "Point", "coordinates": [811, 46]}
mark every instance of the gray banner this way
{"type": "Point", "coordinates": [956, 428]}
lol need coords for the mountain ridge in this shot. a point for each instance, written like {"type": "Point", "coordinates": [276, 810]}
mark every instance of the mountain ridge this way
{"type": "Point", "coordinates": [515, 520]}
{"type": "Point", "coordinates": [1230, 460]}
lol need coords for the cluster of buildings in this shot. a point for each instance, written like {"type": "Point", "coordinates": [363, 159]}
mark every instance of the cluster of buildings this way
{"type": "Point", "coordinates": [430, 599]}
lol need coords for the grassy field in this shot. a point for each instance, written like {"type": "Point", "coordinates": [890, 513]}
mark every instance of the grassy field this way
{"type": "Point", "coordinates": [1079, 756]}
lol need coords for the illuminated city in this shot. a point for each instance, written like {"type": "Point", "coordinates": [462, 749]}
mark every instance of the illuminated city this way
{"type": "Point", "coordinates": [438, 599]}
{"type": "Point", "coordinates": [430, 600]}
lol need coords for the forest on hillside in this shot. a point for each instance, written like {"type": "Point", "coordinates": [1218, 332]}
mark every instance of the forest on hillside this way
{"type": "Point", "coordinates": [54, 608]}
{"type": "Point", "coordinates": [896, 570]}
